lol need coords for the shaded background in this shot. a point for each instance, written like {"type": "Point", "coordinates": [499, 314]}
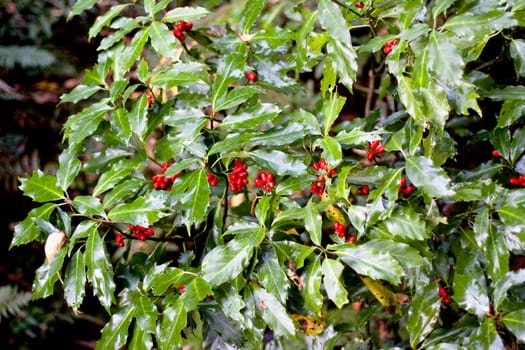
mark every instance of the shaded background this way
{"type": "Point", "coordinates": [42, 55]}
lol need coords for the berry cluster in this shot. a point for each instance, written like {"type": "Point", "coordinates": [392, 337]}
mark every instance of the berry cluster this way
{"type": "Point", "coordinates": [363, 190]}
{"type": "Point", "coordinates": [265, 180]}
{"type": "Point", "coordinates": [375, 148]}
{"type": "Point", "coordinates": [443, 292]}
{"type": "Point", "coordinates": [140, 232]}
{"type": "Point", "coordinates": [323, 165]}
{"type": "Point", "coordinates": [388, 46]}
{"type": "Point", "coordinates": [212, 179]}
{"type": "Point", "coordinates": [119, 239]}
{"type": "Point", "coordinates": [181, 27]}
{"type": "Point", "coordinates": [318, 185]}
{"type": "Point", "coordinates": [161, 182]}
{"type": "Point", "coordinates": [340, 229]}
{"type": "Point", "coordinates": [238, 177]}
{"type": "Point", "coordinates": [519, 180]}
{"type": "Point", "coordinates": [404, 188]}
{"type": "Point", "coordinates": [251, 76]}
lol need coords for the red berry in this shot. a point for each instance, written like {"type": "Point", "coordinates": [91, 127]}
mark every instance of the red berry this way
{"type": "Point", "coordinates": [380, 149]}
{"type": "Point", "coordinates": [387, 49]}
{"type": "Point", "coordinates": [149, 96]}
{"type": "Point", "coordinates": [446, 300]}
{"type": "Point", "coordinates": [394, 42]}
{"type": "Point", "coordinates": [409, 189]}
{"type": "Point", "coordinates": [351, 239]}
{"type": "Point", "coordinates": [514, 181]}
{"type": "Point", "coordinates": [365, 189]}
{"type": "Point", "coordinates": [374, 144]}
{"type": "Point", "coordinates": [119, 239]}
{"type": "Point", "coordinates": [180, 25]}
{"type": "Point", "coordinates": [187, 25]}
{"type": "Point", "coordinates": [358, 191]}
{"type": "Point", "coordinates": [496, 153]}
{"type": "Point", "coordinates": [179, 34]}
{"type": "Point", "coordinates": [403, 182]}
{"type": "Point", "coordinates": [315, 165]}
{"type": "Point", "coordinates": [370, 155]}
{"type": "Point", "coordinates": [251, 76]}
{"type": "Point", "coordinates": [212, 179]}
{"type": "Point", "coordinates": [360, 5]}
{"type": "Point", "coordinates": [323, 164]}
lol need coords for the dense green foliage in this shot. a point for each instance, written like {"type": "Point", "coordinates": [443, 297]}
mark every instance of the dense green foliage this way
{"type": "Point", "coordinates": [211, 208]}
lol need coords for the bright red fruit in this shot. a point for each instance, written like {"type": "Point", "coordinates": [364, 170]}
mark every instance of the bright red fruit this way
{"type": "Point", "coordinates": [251, 76]}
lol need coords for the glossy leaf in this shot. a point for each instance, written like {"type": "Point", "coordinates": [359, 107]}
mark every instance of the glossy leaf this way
{"type": "Point", "coordinates": [502, 285]}
{"type": "Point", "coordinates": [27, 231]}
{"type": "Point", "coordinates": [383, 294]}
{"type": "Point", "coordinates": [403, 223]}
{"type": "Point", "coordinates": [88, 205]}
{"type": "Point", "coordinates": [444, 59]}
{"type": "Point", "coordinates": [332, 21]}
{"type": "Point", "coordinates": [105, 19]}
{"type": "Point", "coordinates": [344, 61]}
{"type": "Point", "coordinates": [236, 96]}
{"type": "Point", "coordinates": [194, 292]}
{"type": "Point", "coordinates": [273, 313]}
{"type": "Point", "coordinates": [162, 39]}
{"type": "Point", "coordinates": [83, 124]}
{"type": "Point", "coordinates": [75, 281]}
{"type": "Point", "coordinates": [517, 51]}
{"type": "Point", "coordinates": [368, 261]}
{"type": "Point", "coordinates": [407, 256]}
{"type": "Point", "coordinates": [426, 176]}
{"type": "Point", "coordinates": [195, 199]}
{"type": "Point", "coordinates": [313, 223]}
{"type": "Point", "coordinates": [113, 176]}
{"type": "Point", "coordinates": [142, 211]}
{"type": "Point", "coordinates": [228, 72]}
{"type": "Point", "coordinates": [487, 336]}
{"type": "Point", "coordinates": [177, 74]}
{"type": "Point", "coordinates": [273, 277]}
{"type": "Point", "coordinates": [313, 298]}
{"type": "Point", "coordinates": [470, 294]}
{"type": "Point", "coordinates": [41, 187]}
{"type": "Point", "coordinates": [173, 320]}
{"type": "Point", "coordinates": [515, 322]}
{"type": "Point", "coordinates": [115, 332]}
{"type": "Point", "coordinates": [47, 275]}
{"type": "Point", "coordinates": [423, 314]}
{"type": "Point", "coordinates": [252, 10]}
{"type": "Point", "coordinates": [68, 169]}
{"type": "Point", "coordinates": [79, 93]}
{"type": "Point", "coordinates": [331, 110]}
{"type": "Point", "coordinates": [278, 162]}
{"type": "Point", "coordinates": [226, 262]}
{"type": "Point", "coordinates": [100, 270]}
{"type": "Point", "coordinates": [185, 13]}
{"type": "Point", "coordinates": [333, 283]}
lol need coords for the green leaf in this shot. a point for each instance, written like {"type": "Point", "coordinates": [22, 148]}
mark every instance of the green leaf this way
{"type": "Point", "coordinates": [174, 319]}
{"type": "Point", "coordinates": [120, 122]}
{"type": "Point", "coordinates": [88, 205]}
{"type": "Point", "coordinates": [236, 96]}
{"type": "Point", "coordinates": [252, 10]}
{"type": "Point", "coordinates": [273, 313]}
{"type": "Point", "coordinates": [185, 13]}
{"type": "Point", "coordinates": [426, 176]}
{"type": "Point", "coordinates": [515, 322]}
{"type": "Point", "coordinates": [122, 191]}
{"type": "Point", "coordinates": [162, 40]}
{"type": "Point", "coordinates": [251, 118]}
{"type": "Point", "coordinates": [80, 92]}
{"type": "Point", "coordinates": [177, 74]}
{"type": "Point", "coordinates": [408, 98]}
{"type": "Point", "coordinates": [407, 256]}
{"type": "Point", "coordinates": [511, 111]}
{"type": "Point", "coordinates": [138, 117]}
{"type": "Point", "coordinates": [115, 332]}
{"type": "Point", "coordinates": [313, 298]}
{"type": "Point", "coordinates": [513, 210]}
{"type": "Point", "coordinates": [440, 6]}
{"type": "Point", "coordinates": [421, 75]}
{"type": "Point", "coordinates": [332, 280]}
{"type": "Point", "coordinates": [68, 169]}
{"type": "Point", "coordinates": [331, 110]}
{"type": "Point", "coordinates": [100, 270]}
{"type": "Point", "coordinates": [332, 20]}
{"type": "Point", "coordinates": [313, 223]}
{"type": "Point", "coordinates": [389, 187]}
{"type": "Point", "coordinates": [368, 261]}
{"type": "Point", "coordinates": [131, 53]}
{"type": "Point", "coordinates": [272, 276]}
{"type": "Point", "coordinates": [344, 62]}
{"type": "Point", "coordinates": [444, 59]}
{"type": "Point", "coordinates": [224, 263]}
{"type": "Point", "coordinates": [229, 70]}
{"type": "Point", "coordinates": [280, 136]}
{"type": "Point", "coordinates": [160, 278]}
{"type": "Point", "coordinates": [195, 199]}
{"type": "Point", "coordinates": [47, 275]}
{"type": "Point", "coordinates": [435, 106]}
{"type": "Point", "coordinates": [85, 123]}
{"type": "Point", "coordinates": [504, 283]}
{"type": "Point", "coordinates": [118, 172]}
{"type": "Point", "coordinates": [75, 281]}
{"type": "Point", "coordinates": [142, 211]}
{"type": "Point", "coordinates": [423, 314]}
{"type": "Point", "coordinates": [404, 222]}
{"type": "Point", "coordinates": [80, 6]}
{"type": "Point", "coordinates": [470, 294]}
{"type": "Point", "coordinates": [105, 19]}
{"type": "Point", "coordinates": [487, 336]}
{"type": "Point", "coordinates": [41, 187]}
{"type": "Point", "coordinates": [279, 162]}
{"type": "Point", "coordinates": [146, 313]}
{"type": "Point", "coordinates": [195, 291]}
{"type": "Point", "coordinates": [332, 151]}
{"type": "Point", "coordinates": [140, 340]}
{"type": "Point", "coordinates": [27, 231]}
{"type": "Point", "coordinates": [517, 52]}
{"type": "Point", "coordinates": [301, 39]}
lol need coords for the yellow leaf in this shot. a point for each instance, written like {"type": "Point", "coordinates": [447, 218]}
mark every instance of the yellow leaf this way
{"type": "Point", "coordinates": [54, 242]}
{"type": "Point", "coordinates": [308, 324]}
{"type": "Point", "coordinates": [292, 231]}
{"type": "Point", "coordinates": [385, 296]}
{"type": "Point", "coordinates": [333, 212]}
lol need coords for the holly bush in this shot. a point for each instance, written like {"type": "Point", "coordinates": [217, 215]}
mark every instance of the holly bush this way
{"type": "Point", "coordinates": [268, 174]}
